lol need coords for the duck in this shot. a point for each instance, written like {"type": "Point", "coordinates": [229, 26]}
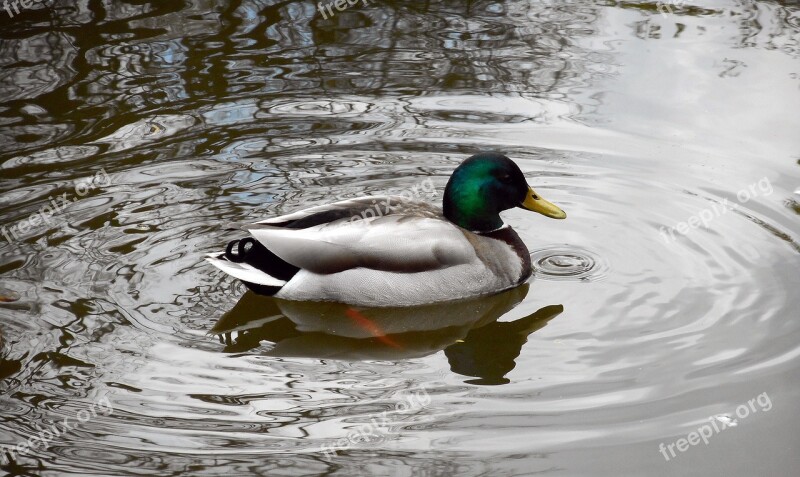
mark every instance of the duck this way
{"type": "Point", "coordinates": [404, 252]}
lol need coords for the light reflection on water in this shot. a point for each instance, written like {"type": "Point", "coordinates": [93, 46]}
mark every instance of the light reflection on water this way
{"type": "Point", "coordinates": [212, 114]}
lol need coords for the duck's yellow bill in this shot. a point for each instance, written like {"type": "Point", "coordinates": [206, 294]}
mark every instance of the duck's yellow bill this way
{"type": "Point", "coordinates": [536, 203]}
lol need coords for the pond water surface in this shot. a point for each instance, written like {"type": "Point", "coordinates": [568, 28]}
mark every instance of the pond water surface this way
{"type": "Point", "coordinates": [667, 302]}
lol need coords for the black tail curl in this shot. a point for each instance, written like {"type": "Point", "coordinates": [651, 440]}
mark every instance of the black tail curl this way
{"type": "Point", "coordinates": [242, 251]}
{"type": "Point", "coordinates": [250, 251]}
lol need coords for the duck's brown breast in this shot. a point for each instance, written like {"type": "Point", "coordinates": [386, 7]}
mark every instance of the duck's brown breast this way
{"type": "Point", "coordinates": [510, 237]}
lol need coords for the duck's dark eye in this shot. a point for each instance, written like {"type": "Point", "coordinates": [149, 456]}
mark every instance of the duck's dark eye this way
{"type": "Point", "coordinates": [505, 178]}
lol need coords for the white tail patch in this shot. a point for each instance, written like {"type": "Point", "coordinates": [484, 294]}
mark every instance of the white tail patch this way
{"type": "Point", "coordinates": [245, 272]}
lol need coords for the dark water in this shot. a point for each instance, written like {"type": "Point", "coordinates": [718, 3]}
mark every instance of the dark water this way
{"type": "Point", "coordinates": [180, 119]}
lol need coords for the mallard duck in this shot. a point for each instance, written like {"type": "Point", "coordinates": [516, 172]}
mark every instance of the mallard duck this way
{"type": "Point", "coordinates": [404, 252]}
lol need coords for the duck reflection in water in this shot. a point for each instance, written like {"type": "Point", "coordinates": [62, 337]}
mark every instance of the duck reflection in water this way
{"type": "Point", "coordinates": [475, 343]}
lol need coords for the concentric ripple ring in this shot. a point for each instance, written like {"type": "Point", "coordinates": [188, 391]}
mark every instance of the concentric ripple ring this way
{"type": "Point", "coordinates": [567, 263]}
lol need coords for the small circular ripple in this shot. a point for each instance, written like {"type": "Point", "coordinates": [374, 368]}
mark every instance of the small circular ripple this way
{"type": "Point", "coordinates": [566, 263]}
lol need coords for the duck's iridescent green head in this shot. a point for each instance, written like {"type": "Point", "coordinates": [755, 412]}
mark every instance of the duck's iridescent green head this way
{"type": "Point", "coordinates": [485, 185]}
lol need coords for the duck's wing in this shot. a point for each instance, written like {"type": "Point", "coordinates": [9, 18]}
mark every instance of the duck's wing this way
{"type": "Point", "coordinates": [352, 210]}
{"type": "Point", "coordinates": [400, 236]}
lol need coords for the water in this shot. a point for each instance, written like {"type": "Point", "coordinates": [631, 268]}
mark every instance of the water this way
{"type": "Point", "coordinates": [665, 302]}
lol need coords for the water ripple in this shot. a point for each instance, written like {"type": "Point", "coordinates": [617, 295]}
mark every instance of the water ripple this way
{"type": "Point", "coordinates": [566, 263]}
